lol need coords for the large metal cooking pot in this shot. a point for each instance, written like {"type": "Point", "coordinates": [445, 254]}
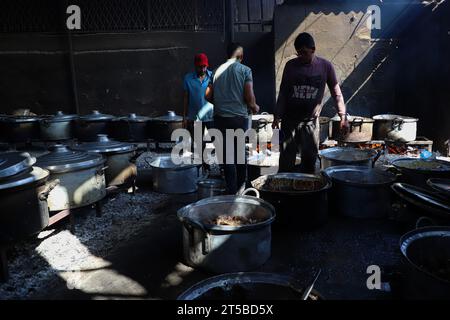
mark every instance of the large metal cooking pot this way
{"type": "Point", "coordinates": [120, 157]}
{"type": "Point", "coordinates": [417, 171]}
{"type": "Point", "coordinates": [393, 127]}
{"type": "Point", "coordinates": [20, 129]}
{"type": "Point", "coordinates": [324, 128]}
{"type": "Point", "coordinates": [58, 127]}
{"type": "Point", "coordinates": [361, 129]}
{"type": "Point", "coordinates": [245, 286]}
{"type": "Point", "coordinates": [341, 156]}
{"type": "Point", "coordinates": [131, 128]}
{"type": "Point", "coordinates": [81, 176]}
{"type": "Point", "coordinates": [89, 126]}
{"type": "Point", "coordinates": [23, 193]}
{"type": "Point", "coordinates": [161, 128]}
{"type": "Point", "coordinates": [219, 248]}
{"type": "Point", "coordinates": [210, 188]}
{"type": "Point", "coordinates": [426, 253]}
{"type": "Point", "coordinates": [300, 200]}
{"type": "Point", "coordinates": [262, 124]}
{"type": "Point", "coordinates": [172, 178]}
{"type": "Point", "coordinates": [360, 192]}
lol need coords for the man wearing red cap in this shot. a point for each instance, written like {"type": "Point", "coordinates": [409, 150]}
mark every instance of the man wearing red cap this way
{"type": "Point", "coordinates": [196, 107]}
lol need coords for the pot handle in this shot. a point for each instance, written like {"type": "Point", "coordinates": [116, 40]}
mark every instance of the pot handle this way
{"type": "Point", "coordinates": [101, 170]}
{"type": "Point", "coordinates": [250, 190]}
{"type": "Point", "coordinates": [261, 123]}
{"type": "Point", "coordinates": [193, 223]}
{"type": "Point", "coordinates": [148, 160]}
{"type": "Point", "coordinates": [428, 220]}
{"type": "Point", "coordinates": [356, 122]}
{"type": "Point", "coordinates": [379, 153]}
{"type": "Point", "coordinates": [397, 123]}
{"type": "Point", "coordinates": [45, 123]}
{"type": "Point", "coordinates": [136, 155]}
{"type": "Point", "coordinates": [48, 188]}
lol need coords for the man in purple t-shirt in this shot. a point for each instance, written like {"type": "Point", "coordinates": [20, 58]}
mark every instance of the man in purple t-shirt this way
{"type": "Point", "coordinates": [300, 103]}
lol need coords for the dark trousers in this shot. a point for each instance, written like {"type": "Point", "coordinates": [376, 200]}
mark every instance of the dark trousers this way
{"type": "Point", "coordinates": [235, 174]}
{"type": "Point", "coordinates": [300, 137]}
{"type": "Point", "coordinates": [205, 125]}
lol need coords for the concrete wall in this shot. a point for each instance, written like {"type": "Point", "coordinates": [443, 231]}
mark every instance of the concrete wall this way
{"type": "Point", "coordinates": [378, 69]}
{"type": "Point", "coordinates": [118, 73]}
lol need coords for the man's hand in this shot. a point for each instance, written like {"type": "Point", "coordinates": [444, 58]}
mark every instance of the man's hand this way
{"type": "Point", "coordinates": [255, 109]}
{"type": "Point", "coordinates": [344, 125]}
{"type": "Point", "coordinates": [276, 123]}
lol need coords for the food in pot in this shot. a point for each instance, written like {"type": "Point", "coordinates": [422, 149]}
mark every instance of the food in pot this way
{"type": "Point", "coordinates": [424, 165]}
{"type": "Point", "coordinates": [284, 184]}
{"type": "Point", "coordinates": [232, 221]}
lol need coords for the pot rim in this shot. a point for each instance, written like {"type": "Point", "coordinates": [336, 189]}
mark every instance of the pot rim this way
{"type": "Point", "coordinates": [326, 187]}
{"type": "Point", "coordinates": [392, 177]}
{"type": "Point", "coordinates": [411, 236]}
{"type": "Point", "coordinates": [396, 162]}
{"type": "Point", "coordinates": [326, 154]}
{"type": "Point", "coordinates": [207, 284]}
{"type": "Point", "coordinates": [183, 214]}
{"type": "Point", "coordinates": [35, 176]}
{"type": "Point", "coordinates": [391, 117]}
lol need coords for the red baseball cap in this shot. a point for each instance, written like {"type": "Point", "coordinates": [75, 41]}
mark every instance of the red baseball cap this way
{"type": "Point", "coordinates": [201, 60]}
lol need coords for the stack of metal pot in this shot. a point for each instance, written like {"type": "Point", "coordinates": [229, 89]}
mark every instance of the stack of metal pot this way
{"type": "Point", "coordinates": [23, 194]}
{"type": "Point", "coordinates": [120, 156]}
{"type": "Point", "coordinates": [81, 176]}
{"type": "Point", "coordinates": [57, 127]}
{"type": "Point", "coordinates": [91, 125]}
{"type": "Point", "coordinates": [262, 124]}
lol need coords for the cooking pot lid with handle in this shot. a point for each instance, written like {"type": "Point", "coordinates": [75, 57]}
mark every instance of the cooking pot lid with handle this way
{"type": "Point", "coordinates": [21, 119]}
{"type": "Point", "coordinates": [34, 174]}
{"type": "Point", "coordinates": [423, 199]}
{"type": "Point", "coordinates": [59, 117]}
{"type": "Point", "coordinates": [62, 159]}
{"type": "Point", "coordinates": [357, 175]}
{"type": "Point", "coordinates": [392, 117]}
{"type": "Point", "coordinates": [12, 163]}
{"type": "Point", "coordinates": [421, 165]}
{"type": "Point", "coordinates": [133, 117]}
{"type": "Point", "coordinates": [105, 145]}
{"type": "Point", "coordinates": [97, 116]}
{"type": "Point", "coordinates": [348, 154]}
{"type": "Point", "coordinates": [171, 116]}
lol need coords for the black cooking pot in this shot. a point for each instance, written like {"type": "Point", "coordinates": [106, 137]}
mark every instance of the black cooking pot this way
{"type": "Point", "coordinates": [426, 254]}
{"type": "Point", "coordinates": [417, 171]}
{"type": "Point", "coordinates": [23, 195]}
{"type": "Point", "coordinates": [132, 128]}
{"type": "Point", "coordinates": [89, 126]}
{"type": "Point", "coordinates": [298, 206]}
{"type": "Point", "coordinates": [161, 128]}
{"type": "Point", "coordinates": [57, 127]}
{"type": "Point", "coordinates": [20, 129]}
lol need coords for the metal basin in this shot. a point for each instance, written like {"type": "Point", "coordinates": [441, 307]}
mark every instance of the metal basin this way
{"type": "Point", "coordinates": [219, 248]}
{"type": "Point", "coordinates": [340, 156]}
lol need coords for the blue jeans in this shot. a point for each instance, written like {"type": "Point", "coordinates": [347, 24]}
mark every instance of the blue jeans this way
{"type": "Point", "coordinates": [235, 174]}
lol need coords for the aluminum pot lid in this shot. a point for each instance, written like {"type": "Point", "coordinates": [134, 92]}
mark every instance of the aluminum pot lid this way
{"type": "Point", "coordinates": [421, 165]}
{"type": "Point", "coordinates": [171, 116]}
{"type": "Point", "coordinates": [133, 117]}
{"type": "Point", "coordinates": [12, 163]}
{"type": "Point", "coordinates": [105, 146]}
{"type": "Point", "coordinates": [392, 117]}
{"type": "Point", "coordinates": [361, 176]}
{"type": "Point", "coordinates": [166, 163]}
{"type": "Point", "coordinates": [34, 174]}
{"type": "Point", "coordinates": [97, 116]}
{"type": "Point", "coordinates": [21, 119]}
{"type": "Point", "coordinates": [422, 198]}
{"type": "Point", "coordinates": [354, 119]}
{"type": "Point", "coordinates": [348, 154]}
{"type": "Point", "coordinates": [62, 159]}
{"type": "Point", "coordinates": [60, 117]}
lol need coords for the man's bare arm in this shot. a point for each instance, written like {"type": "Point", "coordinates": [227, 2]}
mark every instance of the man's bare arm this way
{"type": "Point", "coordinates": [209, 94]}
{"type": "Point", "coordinates": [249, 97]}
